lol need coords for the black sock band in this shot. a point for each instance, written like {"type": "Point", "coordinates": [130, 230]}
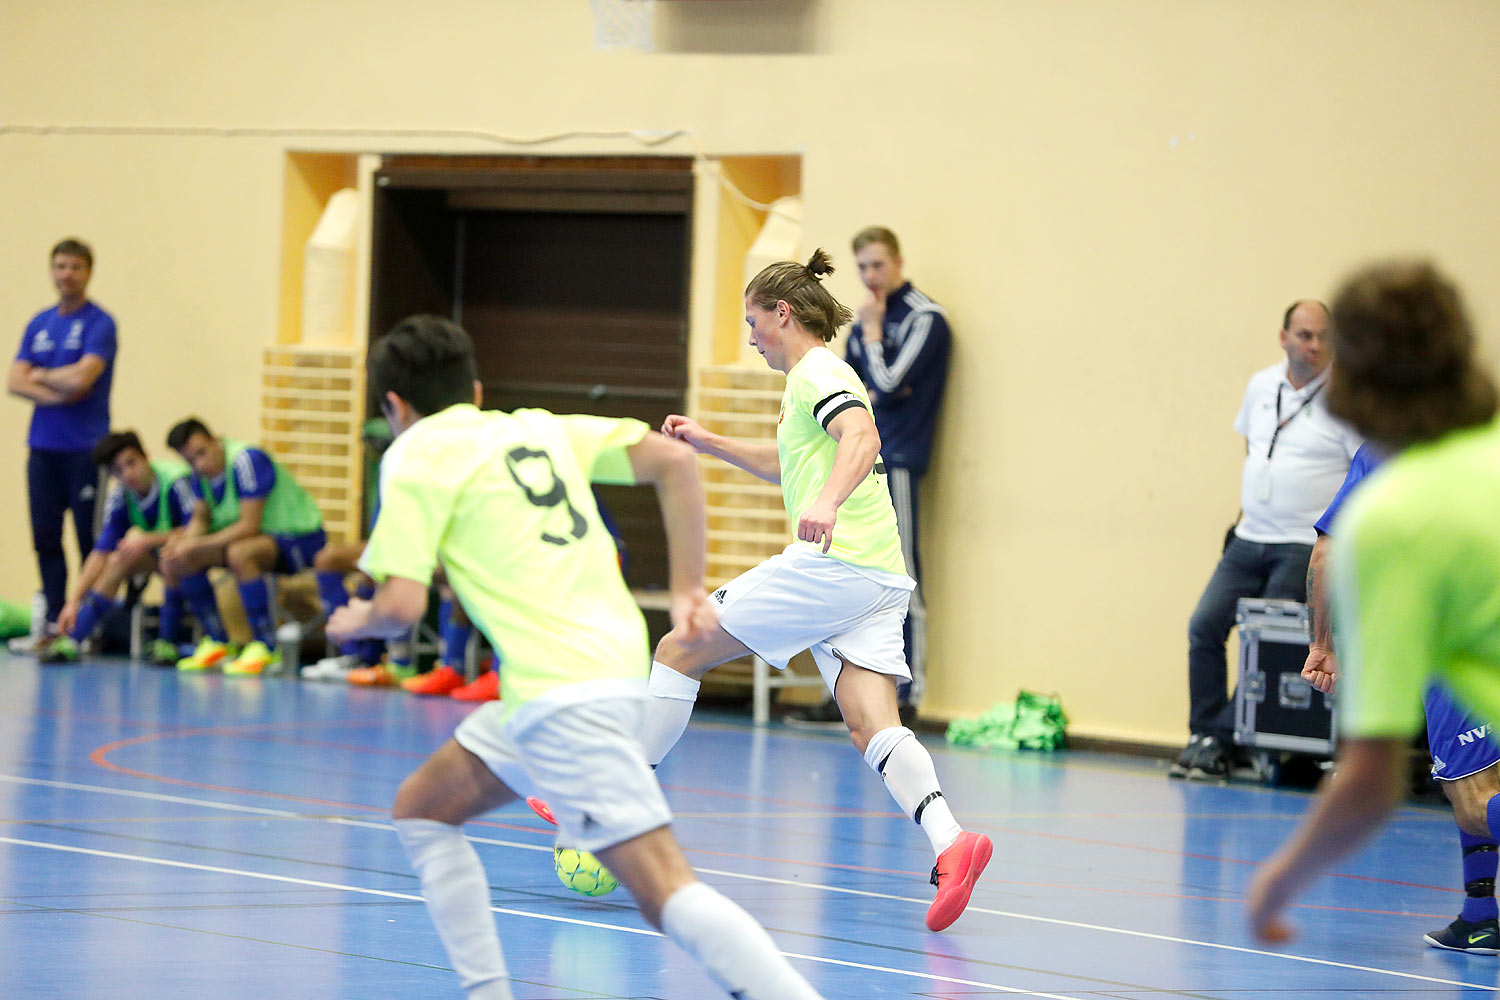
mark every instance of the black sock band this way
{"type": "Point", "coordinates": [1480, 888]}
{"type": "Point", "coordinates": [917, 816]}
{"type": "Point", "coordinates": [1480, 849]}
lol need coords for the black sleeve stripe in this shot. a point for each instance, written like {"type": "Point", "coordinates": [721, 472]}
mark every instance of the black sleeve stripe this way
{"type": "Point", "coordinates": [829, 398]}
{"type": "Point", "coordinates": [850, 403]}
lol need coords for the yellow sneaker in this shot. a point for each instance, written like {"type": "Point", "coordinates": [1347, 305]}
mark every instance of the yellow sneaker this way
{"type": "Point", "coordinates": [255, 659]}
{"type": "Point", "coordinates": [208, 655]}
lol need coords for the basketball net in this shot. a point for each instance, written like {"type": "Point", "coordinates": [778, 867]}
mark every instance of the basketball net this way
{"type": "Point", "coordinates": [623, 24]}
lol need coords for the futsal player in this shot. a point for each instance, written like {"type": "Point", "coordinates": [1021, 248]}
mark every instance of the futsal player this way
{"type": "Point", "coordinates": [841, 589]}
{"type": "Point", "coordinates": [1464, 752]}
{"type": "Point", "coordinates": [1416, 570]}
{"type": "Point", "coordinates": [252, 517]}
{"type": "Point", "coordinates": [503, 499]}
{"type": "Point", "coordinates": [149, 501]}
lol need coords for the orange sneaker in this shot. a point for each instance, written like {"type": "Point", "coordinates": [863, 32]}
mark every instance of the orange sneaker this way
{"type": "Point", "coordinates": [441, 679]}
{"type": "Point", "coordinates": [541, 809]}
{"type": "Point", "coordinates": [486, 688]}
{"type": "Point", "coordinates": [954, 876]}
{"type": "Point", "coordinates": [376, 676]}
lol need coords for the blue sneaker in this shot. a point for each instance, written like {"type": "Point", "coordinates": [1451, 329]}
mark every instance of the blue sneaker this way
{"type": "Point", "coordinates": [1482, 938]}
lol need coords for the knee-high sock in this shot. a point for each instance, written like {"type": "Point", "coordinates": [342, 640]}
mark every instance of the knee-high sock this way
{"type": "Point", "coordinates": [668, 709]}
{"type": "Point", "coordinates": [906, 767]}
{"type": "Point", "coordinates": [171, 614]}
{"type": "Point", "coordinates": [455, 637]}
{"type": "Point", "coordinates": [199, 594]}
{"type": "Point", "coordinates": [332, 596]}
{"type": "Point", "coordinates": [731, 945]}
{"type": "Point", "coordinates": [1481, 861]}
{"type": "Point", "coordinates": [91, 609]}
{"type": "Point", "coordinates": [458, 899]}
{"type": "Point", "coordinates": [256, 597]}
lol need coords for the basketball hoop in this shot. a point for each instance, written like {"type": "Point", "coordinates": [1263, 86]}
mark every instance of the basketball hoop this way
{"type": "Point", "coordinates": [623, 24]}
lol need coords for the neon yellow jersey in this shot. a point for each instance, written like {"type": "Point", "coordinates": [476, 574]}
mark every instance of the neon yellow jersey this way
{"type": "Point", "coordinates": [503, 499]}
{"type": "Point", "coordinates": [1416, 574]}
{"type": "Point", "coordinates": [819, 388]}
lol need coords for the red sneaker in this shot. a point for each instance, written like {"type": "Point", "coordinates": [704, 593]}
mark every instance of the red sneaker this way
{"type": "Point", "coordinates": [486, 688]}
{"type": "Point", "coordinates": [441, 679]}
{"type": "Point", "coordinates": [541, 809]}
{"type": "Point", "coordinates": [954, 874]}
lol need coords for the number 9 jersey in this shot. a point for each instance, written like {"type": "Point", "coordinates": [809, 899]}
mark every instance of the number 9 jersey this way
{"type": "Point", "coordinates": [504, 500]}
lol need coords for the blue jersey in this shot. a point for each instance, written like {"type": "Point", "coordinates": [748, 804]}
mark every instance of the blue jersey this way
{"type": "Point", "coordinates": [905, 375]}
{"type": "Point", "coordinates": [53, 340]}
{"type": "Point", "coordinates": [180, 501]}
{"type": "Point", "coordinates": [254, 475]}
{"type": "Point", "coordinates": [1365, 461]}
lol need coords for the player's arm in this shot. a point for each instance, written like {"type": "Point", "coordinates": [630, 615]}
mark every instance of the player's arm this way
{"type": "Point", "coordinates": [252, 509]}
{"type": "Point", "coordinates": [1363, 791]}
{"type": "Point", "coordinates": [758, 458]}
{"type": "Point", "coordinates": [671, 467]}
{"type": "Point", "coordinates": [23, 381]}
{"type": "Point", "coordinates": [73, 380]}
{"type": "Point", "coordinates": [88, 575]}
{"type": "Point", "coordinates": [397, 605]}
{"type": "Point", "coordinates": [858, 450]}
{"type": "Point", "coordinates": [1321, 669]}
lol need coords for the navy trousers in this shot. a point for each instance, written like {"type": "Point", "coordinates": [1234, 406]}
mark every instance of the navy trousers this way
{"type": "Point", "coordinates": [60, 481]}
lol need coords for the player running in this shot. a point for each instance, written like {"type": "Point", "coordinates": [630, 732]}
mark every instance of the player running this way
{"type": "Point", "coordinates": [503, 499]}
{"type": "Point", "coordinates": [841, 589]}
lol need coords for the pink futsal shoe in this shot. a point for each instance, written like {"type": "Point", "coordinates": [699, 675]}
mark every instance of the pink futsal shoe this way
{"type": "Point", "coordinates": [541, 809]}
{"type": "Point", "coordinates": [954, 875]}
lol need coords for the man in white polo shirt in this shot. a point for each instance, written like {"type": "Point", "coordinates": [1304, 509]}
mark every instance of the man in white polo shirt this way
{"type": "Point", "coordinates": [1296, 457]}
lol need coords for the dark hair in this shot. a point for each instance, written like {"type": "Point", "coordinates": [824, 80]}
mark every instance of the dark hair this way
{"type": "Point", "coordinates": [877, 234]}
{"type": "Point", "coordinates": [427, 361]}
{"type": "Point", "coordinates": [74, 248]}
{"type": "Point", "coordinates": [110, 445]}
{"type": "Point", "coordinates": [1404, 369]}
{"type": "Point", "coordinates": [178, 436]}
{"type": "Point", "coordinates": [1286, 317]}
{"type": "Point", "coordinates": [813, 306]}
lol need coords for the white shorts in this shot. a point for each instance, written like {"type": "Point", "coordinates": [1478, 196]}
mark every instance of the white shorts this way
{"type": "Point", "coordinates": [799, 599]}
{"type": "Point", "coordinates": [583, 760]}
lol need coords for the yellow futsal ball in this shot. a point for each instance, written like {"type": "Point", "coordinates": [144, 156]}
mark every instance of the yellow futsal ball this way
{"type": "Point", "coordinates": [582, 872]}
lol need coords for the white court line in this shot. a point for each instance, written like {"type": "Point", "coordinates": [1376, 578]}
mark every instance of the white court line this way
{"type": "Point", "coordinates": [507, 912]}
{"type": "Point", "coordinates": [799, 884]}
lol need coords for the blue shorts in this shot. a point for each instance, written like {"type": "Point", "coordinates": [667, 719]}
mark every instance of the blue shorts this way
{"type": "Point", "coordinates": [296, 553]}
{"type": "Point", "coordinates": [1460, 745]}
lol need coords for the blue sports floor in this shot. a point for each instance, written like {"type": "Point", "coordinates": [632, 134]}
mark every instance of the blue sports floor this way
{"type": "Point", "coordinates": [166, 835]}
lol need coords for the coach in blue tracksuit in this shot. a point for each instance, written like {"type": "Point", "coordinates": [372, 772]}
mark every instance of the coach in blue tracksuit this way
{"type": "Point", "coordinates": [65, 366]}
{"type": "Point", "coordinates": [899, 345]}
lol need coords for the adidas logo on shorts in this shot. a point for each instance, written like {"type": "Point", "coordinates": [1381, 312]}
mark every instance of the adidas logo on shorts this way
{"type": "Point", "coordinates": [719, 594]}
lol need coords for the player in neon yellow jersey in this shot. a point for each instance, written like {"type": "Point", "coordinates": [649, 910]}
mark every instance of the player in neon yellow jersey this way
{"type": "Point", "coordinates": [504, 500]}
{"type": "Point", "coordinates": [1416, 571]}
{"type": "Point", "coordinates": [841, 589]}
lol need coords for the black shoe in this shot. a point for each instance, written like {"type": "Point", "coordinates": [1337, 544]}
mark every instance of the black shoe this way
{"type": "Point", "coordinates": [1482, 938]}
{"type": "Point", "coordinates": [1184, 761]}
{"type": "Point", "coordinates": [824, 716]}
{"type": "Point", "coordinates": [1210, 762]}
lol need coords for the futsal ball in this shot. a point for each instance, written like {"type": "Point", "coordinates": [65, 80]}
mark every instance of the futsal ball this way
{"type": "Point", "coordinates": [582, 872]}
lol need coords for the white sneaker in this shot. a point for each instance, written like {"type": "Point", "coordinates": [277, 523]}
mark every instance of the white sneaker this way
{"type": "Point", "coordinates": [331, 668]}
{"type": "Point", "coordinates": [27, 644]}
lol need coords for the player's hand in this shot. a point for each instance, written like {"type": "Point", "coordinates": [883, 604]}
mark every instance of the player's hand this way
{"type": "Point", "coordinates": [1269, 895]}
{"type": "Point", "coordinates": [346, 623]}
{"type": "Point", "coordinates": [133, 545]}
{"type": "Point", "coordinates": [1321, 669]}
{"type": "Point", "coordinates": [816, 524]}
{"type": "Point", "coordinates": [693, 615]}
{"type": "Point", "coordinates": [872, 317]}
{"type": "Point", "coordinates": [67, 617]}
{"type": "Point", "coordinates": [684, 429]}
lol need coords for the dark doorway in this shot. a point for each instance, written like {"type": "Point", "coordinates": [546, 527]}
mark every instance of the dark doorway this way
{"type": "Point", "coordinates": [571, 276]}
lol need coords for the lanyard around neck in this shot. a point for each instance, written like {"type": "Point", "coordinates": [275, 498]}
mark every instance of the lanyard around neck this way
{"type": "Point", "coordinates": [1281, 424]}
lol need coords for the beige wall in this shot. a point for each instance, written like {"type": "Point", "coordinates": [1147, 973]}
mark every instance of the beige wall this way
{"type": "Point", "coordinates": [1114, 201]}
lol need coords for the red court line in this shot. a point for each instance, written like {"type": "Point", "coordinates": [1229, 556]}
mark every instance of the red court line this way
{"type": "Point", "coordinates": [100, 757]}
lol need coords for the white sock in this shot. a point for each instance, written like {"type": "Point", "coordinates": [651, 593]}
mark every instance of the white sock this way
{"type": "Point", "coordinates": [731, 945]}
{"type": "Point", "coordinates": [668, 710]}
{"type": "Point", "coordinates": [458, 899]}
{"type": "Point", "coordinates": [906, 767]}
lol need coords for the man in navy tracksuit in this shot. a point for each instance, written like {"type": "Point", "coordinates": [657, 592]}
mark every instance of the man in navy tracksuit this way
{"type": "Point", "coordinates": [899, 345]}
{"type": "Point", "coordinates": [65, 366]}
